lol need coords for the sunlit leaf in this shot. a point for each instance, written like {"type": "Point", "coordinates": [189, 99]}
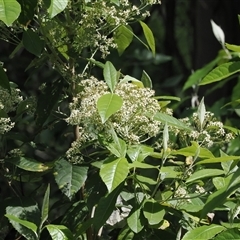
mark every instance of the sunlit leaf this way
{"type": "Point", "coordinates": [45, 206]}
{"type": "Point", "coordinates": [218, 159]}
{"type": "Point", "coordinates": [137, 164]}
{"type": "Point", "coordinates": [221, 72]}
{"type": "Point", "coordinates": [193, 150]}
{"type": "Point", "coordinates": [194, 205]}
{"type": "Point", "coordinates": [135, 220]}
{"type": "Point", "coordinates": [125, 234]}
{"type": "Point", "coordinates": [56, 6]}
{"type": "Point", "coordinates": [69, 178]}
{"type": "Point", "coordinates": [108, 104]}
{"type": "Point", "coordinates": [123, 36]}
{"type": "Point", "coordinates": [139, 152]}
{"type": "Point", "coordinates": [24, 215]}
{"type": "Point", "coordinates": [199, 74]}
{"type": "Point", "coordinates": [228, 234]}
{"type": "Point", "coordinates": [168, 98]}
{"type": "Point", "coordinates": [204, 173]}
{"type": "Point", "coordinates": [171, 121]}
{"type": "Point", "coordinates": [110, 75]}
{"type": "Point", "coordinates": [59, 232]}
{"type": "Point", "coordinates": [22, 222]}
{"type": "Point", "coordinates": [9, 11]}
{"type": "Point", "coordinates": [133, 80]}
{"type": "Point", "coordinates": [235, 48]}
{"type": "Point", "coordinates": [149, 36]}
{"type": "Point", "coordinates": [153, 211]}
{"type": "Point", "coordinates": [218, 197]}
{"type": "Point", "coordinates": [203, 232]}
{"type": "Point", "coordinates": [219, 182]}
{"type": "Point", "coordinates": [118, 147]}
{"type": "Point", "coordinates": [29, 164]}
{"type": "Point", "coordinates": [114, 172]}
{"type": "Point", "coordinates": [146, 80]}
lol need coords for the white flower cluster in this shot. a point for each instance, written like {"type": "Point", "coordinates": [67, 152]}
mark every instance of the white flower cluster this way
{"type": "Point", "coordinates": [133, 122]}
{"type": "Point", "coordinates": [101, 18]}
{"type": "Point", "coordinates": [211, 132]}
{"type": "Point", "coordinates": [8, 103]}
{"type": "Point", "coordinates": [93, 23]}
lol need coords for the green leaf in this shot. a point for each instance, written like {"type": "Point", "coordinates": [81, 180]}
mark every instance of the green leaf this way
{"type": "Point", "coordinates": [217, 198]}
{"type": "Point", "coordinates": [197, 76]}
{"type": "Point", "coordinates": [56, 6]}
{"type": "Point", "coordinates": [146, 80]}
{"type": "Point", "coordinates": [114, 172]}
{"type": "Point", "coordinates": [235, 48]}
{"type": "Point", "coordinates": [69, 178]}
{"type": "Point", "coordinates": [135, 220]}
{"type": "Point", "coordinates": [9, 11]}
{"type": "Point", "coordinates": [24, 216]}
{"type": "Point", "coordinates": [153, 211]}
{"type": "Point", "coordinates": [218, 159]}
{"type": "Point", "coordinates": [170, 172]}
{"type": "Point", "coordinates": [172, 121]}
{"type": "Point", "coordinates": [123, 36]}
{"type": "Point", "coordinates": [24, 223]}
{"type": "Point", "coordinates": [27, 11]}
{"type": "Point", "coordinates": [219, 182]}
{"type": "Point", "coordinates": [32, 42]}
{"type": "Point", "coordinates": [168, 98]}
{"type": "Point", "coordinates": [105, 207]}
{"type": "Point", "coordinates": [195, 205]}
{"type": "Point", "coordinates": [97, 63]}
{"type": "Point", "coordinates": [4, 82]}
{"type": "Point", "coordinates": [203, 232]}
{"type": "Point", "coordinates": [133, 80]}
{"type": "Point", "coordinates": [221, 72]}
{"type": "Point", "coordinates": [149, 36]}
{"type": "Point", "coordinates": [108, 104]}
{"type": "Point", "coordinates": [204, 173]}
{"type": "Point", "coordinates": [146, 180]}
{"type": "Point", "coordinates": [125, 234]}
{"type": "Point", "coordinates": [118, 147]}
{"type": "Point", "coordinates": [139, 152]}
{"type": "Point", "coordinates": [192, 150]}
{"type": "Point", "coordinates": [59, 232]}
{"type": "Point", "coordinates": [45, 207]}
{"type": "Point", "coordinates": [110, 75]}
{"type": "Point", "coordinates": [228, 234]}
{"type": "Point", "coordinates": [137, 164]}
{"type": "Point", "coordinates": [28, 164]}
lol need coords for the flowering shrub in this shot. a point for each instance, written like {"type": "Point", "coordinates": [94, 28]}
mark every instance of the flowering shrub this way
{"type": "Point", "coordinates": [131, 170]}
